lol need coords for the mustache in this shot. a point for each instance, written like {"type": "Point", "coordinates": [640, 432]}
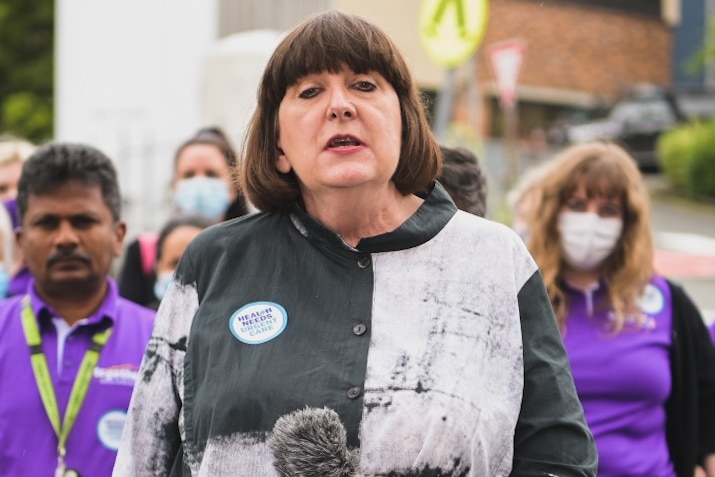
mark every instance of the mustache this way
{"type": "Point", "coordinates": [64, 255]}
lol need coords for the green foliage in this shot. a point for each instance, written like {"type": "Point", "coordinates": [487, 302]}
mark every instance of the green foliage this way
{"type": "Point", "coordinates": [696, 62]}
{"type": "Point", "coordinates": [27, 68]}
{"type": "Point", "coordinates": [687, 156]}
{"type": "Point", "coordinates": [27, 115]}
{"type": "Point", "coordinates": [702, 164]}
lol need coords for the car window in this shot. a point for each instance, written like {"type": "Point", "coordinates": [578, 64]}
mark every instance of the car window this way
{"type": "Point", "coordinates": [643, 111]}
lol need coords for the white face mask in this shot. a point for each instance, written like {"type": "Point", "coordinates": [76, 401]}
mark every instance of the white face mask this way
{"type": "Point", "coordinates": [587, 239]}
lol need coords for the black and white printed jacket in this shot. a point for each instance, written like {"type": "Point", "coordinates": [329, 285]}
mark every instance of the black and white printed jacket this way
{"type": "Point", "coordinates": [435, 344]}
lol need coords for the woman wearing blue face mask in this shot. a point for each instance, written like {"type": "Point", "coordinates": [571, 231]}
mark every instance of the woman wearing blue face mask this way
{"type": "Point", "coordinates": [203, 182]}
{"type": "Point", "coordinates": [173, 239]}
{"type": "Point", "coordinates": [202, 185]}
{"type": "Point", "coordinates": [642, 359]}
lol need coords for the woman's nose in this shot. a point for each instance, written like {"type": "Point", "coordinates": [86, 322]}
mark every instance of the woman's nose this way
{"type": "Point", "coordinates": [340, 106]}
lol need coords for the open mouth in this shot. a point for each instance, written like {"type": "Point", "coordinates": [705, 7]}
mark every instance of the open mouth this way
{"type": "Point", "coordinates": [343, 141]}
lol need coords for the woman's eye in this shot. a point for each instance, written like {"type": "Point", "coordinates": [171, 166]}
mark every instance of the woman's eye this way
{"type": "Point", "coordinates": [610, 210]}
{"type": "Point", "coordinates": [365, 86]}
{"type": "Point", "coordinates": [576, 204]}
{"type": "Point", "coordinates": [308, 93]}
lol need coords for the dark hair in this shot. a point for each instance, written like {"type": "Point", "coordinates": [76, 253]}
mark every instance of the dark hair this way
{"type": "Point", "coordinates": [464, 179]}
{"type": "Point", "coordinates": [193, 220]}
{"type": "Point", "coordinates": [212, 136]}
{"type": "Point", "coordinates": [56, 164]}
{"type": "Point", "coordinates": [237, 208]}
{"type": "Point", "coordinates": [329, 42]}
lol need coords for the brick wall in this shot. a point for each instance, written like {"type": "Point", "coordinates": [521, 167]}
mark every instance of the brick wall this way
{"type": "Point", "coordinates": [578, 48]}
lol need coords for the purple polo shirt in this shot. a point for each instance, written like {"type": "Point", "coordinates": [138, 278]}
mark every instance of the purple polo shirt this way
{"type": "Point", "coordinates": [623, 380]}
{"type": "Point", "coordinates": [28, 445]}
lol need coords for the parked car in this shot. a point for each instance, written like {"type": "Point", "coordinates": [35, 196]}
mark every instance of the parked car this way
{"type": "Point", "coordinates": [635, 121]}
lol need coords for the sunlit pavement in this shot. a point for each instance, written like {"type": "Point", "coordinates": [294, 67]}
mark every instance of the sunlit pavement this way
{"type": "Point", "coordinates": [694, 270]}
{"type": "Point", "coordinates": [684, 234]}
{"type": "Point", "coordinates": [685, 255]}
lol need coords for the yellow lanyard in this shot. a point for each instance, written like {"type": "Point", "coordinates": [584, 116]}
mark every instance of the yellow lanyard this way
{"type": "Point", "coordinates": [44, 380]}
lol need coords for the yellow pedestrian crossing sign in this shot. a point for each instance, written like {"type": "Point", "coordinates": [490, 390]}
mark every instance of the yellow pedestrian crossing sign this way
{"type": "Point", "coordinates": [451, 30]}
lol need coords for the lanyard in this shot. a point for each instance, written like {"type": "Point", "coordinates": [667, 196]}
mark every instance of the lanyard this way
{"type": "Point", "coordinates": [44, 380]}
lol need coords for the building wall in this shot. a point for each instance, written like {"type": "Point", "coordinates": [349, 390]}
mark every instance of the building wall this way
{"type": "Point", "coordinates": [238, 16]}
{"type": "Point", "coordinates": [575, 48]}
{"type": "Point", "coordinates": [128, 80]}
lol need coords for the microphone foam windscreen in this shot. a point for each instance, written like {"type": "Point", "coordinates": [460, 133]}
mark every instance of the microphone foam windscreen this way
{"type": "Point", "coordinates": [312, 442]}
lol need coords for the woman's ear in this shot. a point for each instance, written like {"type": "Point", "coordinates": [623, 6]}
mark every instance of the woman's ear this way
{"type": "Point", "coordinates": [282, 163]}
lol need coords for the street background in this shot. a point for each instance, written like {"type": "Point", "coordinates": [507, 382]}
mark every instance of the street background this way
{"type": "Point", "coordinates": [684, 233]}
{"type": "Point", "coordinates": [683, 229]}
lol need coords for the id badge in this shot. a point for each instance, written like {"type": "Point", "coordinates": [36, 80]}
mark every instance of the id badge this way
{"type": "Point", "coordinates": [63, 471]}
{"type": "Point", "coordinates": [60, 469]}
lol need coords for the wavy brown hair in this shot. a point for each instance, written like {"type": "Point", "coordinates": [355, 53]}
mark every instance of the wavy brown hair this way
{"type": "Point", "coordinates": [605, 170]}
{"type": "Point", "coordinates": [329, 42]}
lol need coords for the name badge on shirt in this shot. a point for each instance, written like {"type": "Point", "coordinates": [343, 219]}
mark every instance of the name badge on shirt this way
{"type": "Point", "coordinates": [652, 300]}
{"type": "Point", "coordinates": [258, 322]}
{"type": "Point", "coordinates": [110, 428]}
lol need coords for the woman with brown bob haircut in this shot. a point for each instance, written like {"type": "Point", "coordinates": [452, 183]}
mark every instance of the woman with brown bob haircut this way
{"type": "Point", "coordinates": [360, 324]}
{"type": "Point", "coordinates": [330, 43]}
{"type": "Point", "coordinates": [641, 356]}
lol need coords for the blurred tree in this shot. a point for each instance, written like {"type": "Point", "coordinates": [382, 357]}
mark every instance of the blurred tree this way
{"type": "Point", "coordinates": [27, 68]}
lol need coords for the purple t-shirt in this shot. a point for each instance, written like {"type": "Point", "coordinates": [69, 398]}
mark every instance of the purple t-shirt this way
{"type": "Point", "coordinates": [712, 331]}
{"type": "Point", "coordinates": [28, 445]}
{"type": "Point", "coordinates": [623, 380]}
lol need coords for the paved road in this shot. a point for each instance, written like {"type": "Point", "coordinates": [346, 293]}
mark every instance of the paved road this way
{"type": "Point", "coordinates": [684, 234]}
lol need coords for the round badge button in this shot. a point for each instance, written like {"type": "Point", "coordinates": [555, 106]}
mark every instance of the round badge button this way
{"type": "Point", "coordinates": [258, 322]}
{"type": "Point", "coordinates": [110, 428]}
{"type": "Point", "coordinates": [652, 301]}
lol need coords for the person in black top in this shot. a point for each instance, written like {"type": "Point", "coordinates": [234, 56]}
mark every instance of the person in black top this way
{"type": "Point", "coordinates": [203, 185]}
{"type": "Point", "coordinates": [360, 287]}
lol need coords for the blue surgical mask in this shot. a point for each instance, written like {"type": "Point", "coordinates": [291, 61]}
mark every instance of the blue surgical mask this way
{"type": "Point", "coordinates": [4, 282]}
{"type": "Point", "coordinates": [163, 280]}
{"type": "Point", "coordinates": [207, 196]}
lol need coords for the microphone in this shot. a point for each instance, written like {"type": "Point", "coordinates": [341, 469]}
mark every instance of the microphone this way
{"type": "Point", "coordinates": [312, 442]}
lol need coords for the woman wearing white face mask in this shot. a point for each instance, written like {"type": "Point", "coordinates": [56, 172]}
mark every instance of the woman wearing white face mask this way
{"type": "Point", "coordinates": [642, 359]}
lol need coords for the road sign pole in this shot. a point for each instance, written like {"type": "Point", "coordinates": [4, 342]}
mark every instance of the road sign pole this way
{"type": "Point", "coordinates": [451, 31]}
{"type": "Point", "coordinates": [506, 58]}
{"type": "Point", "coordinates": [511, 143]}
{"type": "Point", "coordinates": [443, 108]}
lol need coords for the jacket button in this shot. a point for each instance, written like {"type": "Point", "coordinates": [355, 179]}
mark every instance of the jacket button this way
{"type": "Point", "coordinates": [353, 392]}
{"type": "Point", "coordinates": [364, 261]}
{"type": "Point", "coordinates": [359, 329]}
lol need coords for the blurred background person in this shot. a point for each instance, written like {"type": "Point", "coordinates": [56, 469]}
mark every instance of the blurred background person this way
{"type": "Point", "coordinates": [642, 360]}
{"type": "Point", "coordinates": [464, 180]}
{"type": "Point", "coordinates": [203, 184]}
{"type": "Point", "coordinates": [524, 196]}
{"type": "Point", "coordinates": [70, 346]}
{"type": "Point", "coordinates": [14, 275]}
{"type": "Point", "coordinates": [173, 239]}
{"type": "Point", "coordinates": [13, 152]}
{"type": "Point", "coordinates": [203, 177]}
